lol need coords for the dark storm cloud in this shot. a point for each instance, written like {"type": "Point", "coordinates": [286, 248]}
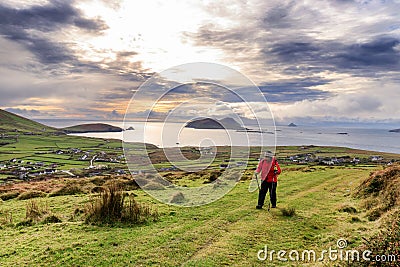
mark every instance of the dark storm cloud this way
{"type": "Point", "coordinates": [283, 91]}
{"type": "Point", "coordinates": [278, 17]}
{"type": "Point", "coordinates": [303, 39]}
{"type": "Point", "coordinates": [29, 26]}
{"type": "Point", "coordinates": [279, 91]}
{"type": "Point", "coordinates": [292, 91]}
{"type": "Point", "coordinates": [50, 17]}
{"type": "Point", "coordinates": [378, 53]}
{"type": "Point", "coordinates": [313, 55]}
{"type": "Point", "coordinates": [372, 56]}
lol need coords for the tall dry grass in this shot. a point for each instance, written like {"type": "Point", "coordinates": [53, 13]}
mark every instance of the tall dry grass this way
{"type": "Point", "coordinates": [110, 207]}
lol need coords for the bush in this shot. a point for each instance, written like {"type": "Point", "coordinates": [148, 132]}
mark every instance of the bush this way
{"type": "Point", "coordinates": [97, 189]}
{"type": "Point", "coordinates": [355, 219]}
{"type": "Point", "coordinates": [154, 186]}
{"type": "Point", "coordinates": [31, 194]}
{"type": "Point", "coordinates": [141, 180]}
{"type": "Point", "coordinates": [214, 176]}
{"type": "Point", "coordinates": [381, 191]}
{"type": "Point", "coordinates": [288, 212]}
{"type": "Point", "coordinates": [387, 242]}
{"type": "Point", "coordinates": [99, 181]}
{"type": "Point", "coordinates": [348, 209]}
{"type": "Point", "coordinates": [6, 217]}
{"type": "Point", "coordinates": [374, 214]}
{"type": "Point", "coordinates": [109, 208]}
{"type": "Point", "coordinates": [66, 190]}
{"type": "Point", "coordinates": [51, 218]}
{"type": "Point", "coordinates": [232, 176]}
{"type": "Point", "coordinates": [9, 195]}
{"type": "Point", "coordinates": [26, 222]}
{"type": "Point", "coordinates": [178, 198]}
{"type": "Point", "coordinates": [136, 213]}
{"type": "Point", "coordinates": [35, 211]}
{"type": "Point", "coordinates": [125, 184]}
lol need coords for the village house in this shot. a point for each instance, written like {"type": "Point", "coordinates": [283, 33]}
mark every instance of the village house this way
{"type": "Point", "coordinates": [376, 158]}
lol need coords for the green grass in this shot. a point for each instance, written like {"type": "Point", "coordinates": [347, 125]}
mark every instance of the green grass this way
{"type": "Point", "coordinates": [40, 148]}
{"type": "Point", "coordinates": [11, 122]}
{"type": "Point", "coordinates": [229, 231]}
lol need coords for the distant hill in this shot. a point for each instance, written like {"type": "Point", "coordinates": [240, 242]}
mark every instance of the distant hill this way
{"type": "Point", "coordinates": [12, 122]}
{"type": "Point", "coordinates": [208, 123]}
{"type": "Point", "coordinates": [395, 131]}
{"type": "Point", "coordinates": [92, 128]}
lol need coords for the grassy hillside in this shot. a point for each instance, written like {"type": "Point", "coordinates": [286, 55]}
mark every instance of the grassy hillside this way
{"type": "Point", "coordinates": [11, 122]}
{"type": "Point", "coordinates": [227, 232]}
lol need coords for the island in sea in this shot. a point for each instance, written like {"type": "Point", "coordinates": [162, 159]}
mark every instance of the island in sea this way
{"type": "Point", "coordinates": [92, 128]}
{"type": "Point", "coordinates": [209, 123]}
{"type": "Point", "coordinates": [395, 131]}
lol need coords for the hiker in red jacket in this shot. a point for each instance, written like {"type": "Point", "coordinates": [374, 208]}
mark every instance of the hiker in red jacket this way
{"type": "Point", "coordinates": [270, 169]}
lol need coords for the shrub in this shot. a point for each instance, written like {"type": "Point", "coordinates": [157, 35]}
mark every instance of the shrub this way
{"type": "Point", "coordinates": [9, 195]}
{"type": "Point", "coordinates": [154, 186]}
{"type": "Point", "coordinates": [178, 197]}
{"type": "Point", "coordinates": [288, 212]}
{"type": "Point", "coordinates": [125, 184]}
{"type": "Point", "coordinates": [374, 214]}
{"type": "Point", "coordinates": [97, 189]}
{"type": "Point", "coordinates": [136, 213]}
{"type": "Point", "coordinates": [348, 209]}
{"type": "Point", "coordinates": [232, 175]}
{"type": "Point", "coordinates": [99, 181]}
{"type": "Point", "coordinates": [51, 218]}
{"type": "Point", "coordinates": [219, 184]}
{"type": "Point", "coordinates": [141, 180]}
{"type": "Point", "coordinates": [355, 219]}
{"type": "Point", "coordinates": [35, 211]}
{"type": "Point", "coordinates": [6, 217]}
{"type": "Point", "coordinates": [68, 189]}
{"type": "Point", "coordinates": [31, 194]}
{"type": "Point", "coordinates": [381, 191]}
{"type": "Point", "coordinates": [26, 222]}
{"type": "Point", "coordinates": [109, 208]}
{"type": "Point", "coordinates": [387, 242]}
{"type": "Point", "coordinates": [214, 175]}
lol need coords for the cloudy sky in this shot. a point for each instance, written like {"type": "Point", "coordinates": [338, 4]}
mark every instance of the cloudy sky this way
{"type": "Point", "coordinates": [336, 60]}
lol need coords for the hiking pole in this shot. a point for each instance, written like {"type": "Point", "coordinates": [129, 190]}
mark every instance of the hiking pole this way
{"type": "Point", "coordinates": [258, 184]}
{"type": "Point", "coordinates": [270, 191]}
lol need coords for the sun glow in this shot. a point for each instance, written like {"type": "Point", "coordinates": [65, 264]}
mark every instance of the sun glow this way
{"type": "Point", "coordinates": [154, 28]}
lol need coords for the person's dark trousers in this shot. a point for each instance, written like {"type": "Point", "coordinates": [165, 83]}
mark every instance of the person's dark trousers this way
{"type": "Point", "coordinates": [265, 186]}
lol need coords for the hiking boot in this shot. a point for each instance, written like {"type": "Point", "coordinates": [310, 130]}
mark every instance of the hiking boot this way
{"type": "Point", "coordinates": [273, 207]}
{"type": "Point", "coordinates": [258, 207]}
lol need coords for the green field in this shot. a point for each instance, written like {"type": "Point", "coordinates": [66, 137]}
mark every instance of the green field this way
{"type": "Point", "coordinates": [229, 231]}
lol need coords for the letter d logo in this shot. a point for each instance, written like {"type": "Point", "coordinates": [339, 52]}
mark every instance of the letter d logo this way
{"type": "Point", "coordinates": [262, 251]}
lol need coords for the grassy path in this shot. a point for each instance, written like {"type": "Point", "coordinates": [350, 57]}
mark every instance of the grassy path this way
{"type": "Point", "coordinates": [227, 232]}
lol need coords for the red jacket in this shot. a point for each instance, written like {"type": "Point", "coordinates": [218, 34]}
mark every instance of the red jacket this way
{"type": "Point", "coordinates": [267, 169]}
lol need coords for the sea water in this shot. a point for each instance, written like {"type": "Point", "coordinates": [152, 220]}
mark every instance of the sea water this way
{"type": "Point", "coordinates": [174, 134]}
